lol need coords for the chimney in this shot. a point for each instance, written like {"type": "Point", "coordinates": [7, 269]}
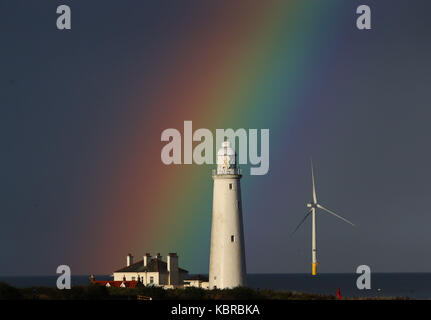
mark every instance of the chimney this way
{"type": "Point", "coordinates": [172, 265]}
{"type": "Point", "coordinates": [147, 259]}
{"type": "Point", "coordinates": [129, 259]}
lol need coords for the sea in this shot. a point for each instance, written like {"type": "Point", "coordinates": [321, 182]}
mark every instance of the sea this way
{"type": "Point", "coordinates": [411, 285]}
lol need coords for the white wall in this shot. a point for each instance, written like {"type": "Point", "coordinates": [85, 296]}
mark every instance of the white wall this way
{"type": "Point", "coordinates": [197, 284]}
{"type": "Point", "coordinates": [118, 276]}
{"type": "Point", "coordinates": [227, 258]}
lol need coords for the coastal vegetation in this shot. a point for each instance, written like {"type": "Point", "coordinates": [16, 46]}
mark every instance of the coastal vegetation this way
{"type": "Point", "coordinates": [96, 292]}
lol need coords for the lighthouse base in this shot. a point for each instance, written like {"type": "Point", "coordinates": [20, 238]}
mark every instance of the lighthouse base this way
{"type": "Point", "coordinates": [314, 269]}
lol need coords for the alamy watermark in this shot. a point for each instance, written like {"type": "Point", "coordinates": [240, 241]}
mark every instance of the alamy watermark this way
{"type": "Point", "coordinates": [203, 153]}
{"type": "Point", "coordinates": [64, 21]}
{"type": "Point", "coordinates": [364, 280]}
{"type": "Point", "coordinates": [63, 281]}
{"type": "Point", "coordinates": [363, 22]}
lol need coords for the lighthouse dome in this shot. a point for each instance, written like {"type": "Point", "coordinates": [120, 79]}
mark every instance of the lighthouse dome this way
{"type": "Point", "coordinates": [226, 157]}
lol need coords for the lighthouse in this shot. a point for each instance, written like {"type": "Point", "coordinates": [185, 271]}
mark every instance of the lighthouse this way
{"type": "Point", "coordinates": [227, 254]}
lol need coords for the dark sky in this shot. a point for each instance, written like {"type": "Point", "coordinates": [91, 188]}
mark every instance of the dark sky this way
{"type": "Point", "coordinates": [366, 125]}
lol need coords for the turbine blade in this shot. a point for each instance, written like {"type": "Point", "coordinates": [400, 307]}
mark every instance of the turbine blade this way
{"type": "Point", "coordinates": [333, 213]}
{"type": "Point", "coordinates": [314, 187]}
{"type": "Point", "coordinates": [302, 221]}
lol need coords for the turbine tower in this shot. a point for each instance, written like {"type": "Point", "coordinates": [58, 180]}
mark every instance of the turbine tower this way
{"type": "Point", "coordinates": [314, 206]}
{"type": "Point", "coordinates": [227, 254]}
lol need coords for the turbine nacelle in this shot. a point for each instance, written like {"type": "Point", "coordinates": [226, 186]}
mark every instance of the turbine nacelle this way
{"type": "Point", "coordinates": [312, 205]}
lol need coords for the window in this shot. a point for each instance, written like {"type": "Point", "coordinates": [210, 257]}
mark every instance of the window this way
{"type": "Point", "coordinates": [232, 238]}
{"type": "Point", "coordinates": [230, 186]}
{"type": "Point", "coordinates": [151, 279]}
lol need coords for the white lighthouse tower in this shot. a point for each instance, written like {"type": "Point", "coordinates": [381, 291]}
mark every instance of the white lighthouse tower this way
{"type": "Point", "coordinates": [227, 255]}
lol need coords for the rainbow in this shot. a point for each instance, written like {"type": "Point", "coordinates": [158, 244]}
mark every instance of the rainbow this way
{"type": "Point", "coordinates": [251, 64]}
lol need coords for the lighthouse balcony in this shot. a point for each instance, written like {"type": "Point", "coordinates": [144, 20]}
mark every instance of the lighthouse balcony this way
{"type": "Point", "coordinates": [229, 171]}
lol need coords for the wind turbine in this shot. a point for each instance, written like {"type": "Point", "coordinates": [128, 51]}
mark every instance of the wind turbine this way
{"type": "Point", "coordinates": [314, 206]}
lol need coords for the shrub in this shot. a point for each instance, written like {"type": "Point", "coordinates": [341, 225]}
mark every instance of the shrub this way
{"type": "Point", "coordinates": [8, 292]}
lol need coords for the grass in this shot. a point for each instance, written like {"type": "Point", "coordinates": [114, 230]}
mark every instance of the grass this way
{"type": "Point", "coordinates": [96, 292]}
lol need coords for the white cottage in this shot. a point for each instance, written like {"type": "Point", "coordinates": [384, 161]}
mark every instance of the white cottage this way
{"type": "Point", "coordinates": [153, 271]}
